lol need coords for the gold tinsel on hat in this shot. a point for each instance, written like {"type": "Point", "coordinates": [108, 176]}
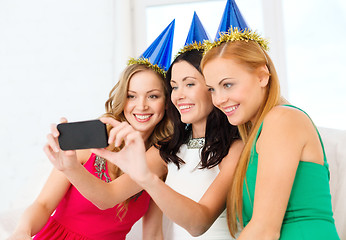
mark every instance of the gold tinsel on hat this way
{"type": "Point", "coordinates": [146, 62]}
{"type": "Point", "coordinates": [189, 47]}
{"type": "Point", "coordinates": [234, 34]}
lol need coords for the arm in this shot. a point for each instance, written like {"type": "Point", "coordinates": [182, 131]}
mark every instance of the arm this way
{"type": "Point", "coordinates": [103, 195]}
{"type": "Point", "coordinates": [37, 214]}
{"type": "Point", "coordinates": [280, 147]}
{"type": "Point", "coordinates": [194, 217]}
{"type": "Point", "coordinates": [152, 223]}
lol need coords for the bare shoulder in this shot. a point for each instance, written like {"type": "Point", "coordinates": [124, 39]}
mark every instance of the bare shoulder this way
{"type": "Point", "coordinates": [286, 118]}
{"type": "Point", "coordinates": [83, 155]}
{"type": "Point", "coordinates": [285, 125]}
{"type": "Point", "coordinates": [231, 159]}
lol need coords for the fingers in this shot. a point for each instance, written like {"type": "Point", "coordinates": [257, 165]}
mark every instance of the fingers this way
{"type": "Point", "coordinates": [133, 136]}
{"type": "Point", "coordinates": [110, 121]}
{"type": "Point", "coordinates": [116, 126]}
{"type": "Point", "coordinates": [121, 133]}
{"type": "Point", "coordinates": [53, 144]}
{"type": "Point", "coordinates": [55, 134]}
{"type": "Point", "coordinates": [63, 120]}
{"type": "Point", "coordinates": [49, 153]}
{"type": "Point", "coordinates": [53, 128]}
{"type": "Point", "coordinates": [113, 134]}
{"type": "Point", "coordinates": [114, 131]}
{"type": "Point", "coordinates": [62, 160]}
{"type": "Point", "coordinates": [52, 141]}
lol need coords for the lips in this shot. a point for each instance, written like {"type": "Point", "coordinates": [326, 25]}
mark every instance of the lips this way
{"type": "Point", "coordinates": [142, 117]}
{"type": "Point", "coordinates": [230, 110]}
{"type": "Point", "coordinates": [185, 107]}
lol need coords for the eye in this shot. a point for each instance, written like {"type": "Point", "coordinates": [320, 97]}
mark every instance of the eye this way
{"type": "Point", "coordinates": [130, 96]}
{"type": "Point", "coordinates": [190, 84]}
{"type": "Point", "coordinates": [211, 89]}
{"type": "Point", "coordinates": [227, 85]}
{"type": "Point", "coordinates": [174, 88]}
{"type": "Point", "coordinates": [153, 96]}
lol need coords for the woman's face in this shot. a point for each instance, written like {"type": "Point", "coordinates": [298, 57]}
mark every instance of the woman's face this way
{"type": "Point", "coordinates": [145, 103]}
{"type": "Point", "coordinates": [235, 90]}
{"type": "Point", "coordinates": [190, 94]}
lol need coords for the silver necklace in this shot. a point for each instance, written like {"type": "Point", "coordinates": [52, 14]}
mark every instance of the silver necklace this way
{"type": "Point", "coordinates": [194, 143]}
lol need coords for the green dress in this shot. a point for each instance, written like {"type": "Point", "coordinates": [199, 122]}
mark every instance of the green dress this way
{"type": "Point", "coordinates": [309, 211]}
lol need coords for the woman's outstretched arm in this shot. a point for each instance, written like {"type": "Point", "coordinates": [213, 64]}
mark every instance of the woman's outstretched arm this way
{"type": "Point", "coordinates": [37, 214]}
{"type": "Point", "coordinates": [152, 223]}
{"type": "Point", "coordinates": [103, 195]}
{"type": "Point", "coordinates": [195, 217]}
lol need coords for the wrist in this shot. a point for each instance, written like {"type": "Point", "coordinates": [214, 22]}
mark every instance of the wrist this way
{"type": "Point", "coordinates": [72, 170]}
{"type": "Point", "coordinates": [148, 181]}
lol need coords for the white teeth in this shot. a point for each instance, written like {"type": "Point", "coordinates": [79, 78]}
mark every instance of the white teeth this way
{"type": "Point", "coordinates": [142, 117]}
{"type": "Point", "coordinates": [230, 109]}
{"type": "Point", "coordinates": [184, 107]}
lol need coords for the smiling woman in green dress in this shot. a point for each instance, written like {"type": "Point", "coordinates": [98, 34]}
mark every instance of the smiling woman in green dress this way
{"type": "Point", "coordinates": [280, 188]}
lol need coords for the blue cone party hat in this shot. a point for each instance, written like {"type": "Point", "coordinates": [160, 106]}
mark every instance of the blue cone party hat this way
{"type": "Point", "coordinates": [231, 18]}
{"type": "Point", "coordinates": [196, 36]}
{"type": "Point", "coordinates": [160, 51]}
{"type": "Point", "coordinates": [197, 32]}
{"type": "Point", "coordinates": [158, 55]}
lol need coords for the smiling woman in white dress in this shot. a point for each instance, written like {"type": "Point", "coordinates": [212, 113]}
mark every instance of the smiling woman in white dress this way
{"type": "Point", "coordinates": [199, 158]}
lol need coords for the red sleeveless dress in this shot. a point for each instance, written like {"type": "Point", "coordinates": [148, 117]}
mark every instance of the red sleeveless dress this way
{"type": "Point", "coordinates": [77, 218]}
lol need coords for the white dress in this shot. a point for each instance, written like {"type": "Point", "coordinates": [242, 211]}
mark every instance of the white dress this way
{"type": "Point", "coordinates": [193, 182]}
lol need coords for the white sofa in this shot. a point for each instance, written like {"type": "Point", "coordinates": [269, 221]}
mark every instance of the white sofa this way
{"type": "Point", "coordinates": [335, 146]}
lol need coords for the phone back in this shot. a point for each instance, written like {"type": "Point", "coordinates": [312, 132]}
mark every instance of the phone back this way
{"type": "Point", "coordinates": [82, 135]}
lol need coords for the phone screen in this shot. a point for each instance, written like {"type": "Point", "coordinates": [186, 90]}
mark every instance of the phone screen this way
{"type": "Point", "coordinates": [82, 135]}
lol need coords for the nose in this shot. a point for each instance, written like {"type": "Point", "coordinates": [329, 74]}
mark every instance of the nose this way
{"type": "Point", "coordinates": [219, 98]}
{"type": "Point", "coordinates": [178, 94]}
{"type": "Point", "coordinates": [142, 103]}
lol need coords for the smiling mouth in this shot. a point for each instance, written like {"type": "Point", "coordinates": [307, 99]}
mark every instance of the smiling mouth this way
{"type": "Point", "coordinates": [230, 110]}
{"type": "Point", "coordinates": [142, 117]}
{"type": "Point", "coordinates": [185, 108]}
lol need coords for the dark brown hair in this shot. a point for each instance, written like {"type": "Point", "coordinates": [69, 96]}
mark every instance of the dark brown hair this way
{"type": "Point", "coordinates": [219, 135]}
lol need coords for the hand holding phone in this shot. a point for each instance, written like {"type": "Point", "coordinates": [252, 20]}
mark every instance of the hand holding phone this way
{"type": "Point", "coordinates": [82, 135]}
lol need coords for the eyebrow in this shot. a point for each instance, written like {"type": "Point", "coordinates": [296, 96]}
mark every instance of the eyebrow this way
{"type": "Point", "coordinates": [224, 79]}
{"type": "Point", "coordinates": [152, 90]}
{"type": "Point", "coordinates": [185, 78]}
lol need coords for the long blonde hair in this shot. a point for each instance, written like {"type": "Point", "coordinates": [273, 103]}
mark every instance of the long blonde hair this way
{"type": "Point", "coordinates": [251, 55]}
{"type": "Point", "coordinates": [115, 109]}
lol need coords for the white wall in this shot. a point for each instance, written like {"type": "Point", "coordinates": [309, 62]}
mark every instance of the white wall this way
{"type": "Point", "coordinates": [306, 44]}
{"type": "Point", "coordinates": [57, 58]}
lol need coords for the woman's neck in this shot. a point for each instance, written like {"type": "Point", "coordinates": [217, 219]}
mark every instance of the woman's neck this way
{"type": "Point", "coordinates": [198, 130]}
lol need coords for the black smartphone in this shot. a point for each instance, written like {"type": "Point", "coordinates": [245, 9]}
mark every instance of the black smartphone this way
{"type": "Point", "coordinates": [82, 135]}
